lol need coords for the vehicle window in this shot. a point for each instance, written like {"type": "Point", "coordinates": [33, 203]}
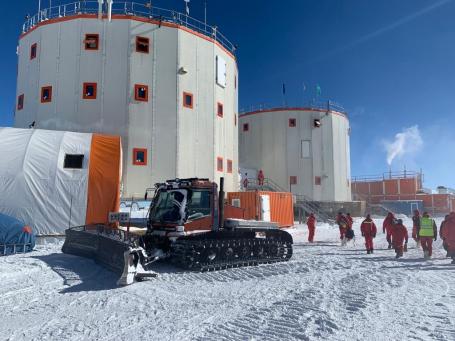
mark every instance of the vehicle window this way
{"type": "Point", "coordinates": [199, 205]}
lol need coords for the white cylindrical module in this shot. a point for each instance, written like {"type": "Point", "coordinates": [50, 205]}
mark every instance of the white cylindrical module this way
{"type": "Point", "coordinates": [161, 80]}
{"type": "Point", "coordinates": [304, 150]}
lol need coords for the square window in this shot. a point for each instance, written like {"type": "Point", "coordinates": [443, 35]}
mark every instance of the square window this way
{"type": "Point", "coordinates": [293, 180]}
{"type": "Point", "coordinates": [317, 180]}
{"type": "Point", "coordinates": [292, 123]}
{"type": "Point", "coordinates": [219, 110]}
{"type": "Point", "coordinates": [229, 166]}
{"type": "Point", "coordinates": [46, 94]}
{"type": "Point", "coordinates": [219, 164]}
{"type": "Point", "coordinates": [20, 102]}
{"type": "Point", "coordinates": [89, 91]}
{"type": "Point", "coordinates": [74, 161]}
{"type": "Point", "coordinates": [33, 50]}
{"type": "Point", "coordinates": [141, 93]}
{"type": "Point", "coordinates": [142, 44]}
{"type": "Point", "coordinates": [91, 41]}
{"type": "Point", "coordinates": [188, 100]}
{"type": "Point", "coordinates": [140, 156]}
{"type": "Point", "coordinates": [246, 127]}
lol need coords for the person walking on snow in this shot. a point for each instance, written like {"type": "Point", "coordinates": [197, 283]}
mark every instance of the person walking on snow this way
{"type": "Point", "coordinates": [311, 223]}
{"type": "Point", "coordinates": [441, 235]}
{"type": "Point", "coordinates": [427, 232]}
{"type": "Point", "coordinates": [399, 235]}
{"type": "Point", "coordinates": [350, 220]}
{"type": "Point", "coordinates": [415, 226]}
{"type": "Point", "coordinates": [343, 224]}
{"type": "Point", "coordinates": [448, 234]}
{"type": "Point", "coordinates": [387, 227]}
{"type": "Point", "coordinates": [368, 229]}
{"type": "Point", "coordinates": [261, 178]}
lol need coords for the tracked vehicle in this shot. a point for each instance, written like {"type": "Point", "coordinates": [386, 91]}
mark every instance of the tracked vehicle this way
{"type": "Point", "coordinates": [186, 225]}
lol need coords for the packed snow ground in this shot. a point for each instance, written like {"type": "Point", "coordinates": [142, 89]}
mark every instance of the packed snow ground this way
{"type": "Point", "coordinates": [324, 292]}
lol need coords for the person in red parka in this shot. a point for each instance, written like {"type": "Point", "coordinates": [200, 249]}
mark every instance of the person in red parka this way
{"type": "Point", "coordinates": [368, 229]}
{"type": "Point", "coordinates": [387, 226]}
{"type": "Point", "coordinates": [350, 220]}
{"type": "Point", "coordinates": [311, 223]}
{"type": "Point", "coordinates": [343, 225]}
{"type": "Point", "coordinates": [261, 178]}
{"type": "Point", "coordinates": [448, 234]}
{"type": "Point", "coordinates": [416, 226]}
{"type": "Point", "coordinates": [441, 235]}
{"type": "Point", "coordinates": [399, 235]}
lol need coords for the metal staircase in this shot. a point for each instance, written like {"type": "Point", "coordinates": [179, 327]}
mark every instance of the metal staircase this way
{"type": "Point", "coordinates": [302, 202]}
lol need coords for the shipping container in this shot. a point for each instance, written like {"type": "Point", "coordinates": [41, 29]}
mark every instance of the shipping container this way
{"type": "Point", "coordinates": [267, 206]}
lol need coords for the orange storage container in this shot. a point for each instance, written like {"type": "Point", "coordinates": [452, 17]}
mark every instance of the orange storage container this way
{"type": "Point", "coordinates": [281, 206]}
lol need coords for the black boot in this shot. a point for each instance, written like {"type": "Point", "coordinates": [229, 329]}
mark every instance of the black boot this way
{"type": "Point", "coordinates": [390, 246]}
{"type": "Point", "coordinates": [368, 252]}
{"type": "Point", "coordinates": [371, 251]}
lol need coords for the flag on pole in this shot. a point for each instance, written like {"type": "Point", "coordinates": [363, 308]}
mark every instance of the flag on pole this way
{"type": "Point", "coordinates": [187, 7]}
{"type": "Point", "coordinates": [284, 89]}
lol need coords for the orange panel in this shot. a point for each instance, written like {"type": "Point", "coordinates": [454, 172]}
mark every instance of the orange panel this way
{"type": "Point", "coordinates": [408, 186]}
{"type": "Point", "coordinates": [248, 201]}
{"type": "Point", "coordinates": [281, 208]}
{"type": "Point", "coordinates": [234, 212]}
{"type": "Point", "coordinates": [441, 201]}
{"type": "Point", "coordinates": [426, 198]}
{"type": "Point", "coordinates": [360, 188]}
{"type": "Point", "coordinates": [391, 187]}
{"type": "Point", "coordinates": [104, 178]}
{"type": "Point", "coordinates": [376, 188]}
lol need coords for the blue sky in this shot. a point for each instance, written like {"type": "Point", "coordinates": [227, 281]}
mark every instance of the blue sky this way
{"type": "Point", "coordinates": [390, 63]}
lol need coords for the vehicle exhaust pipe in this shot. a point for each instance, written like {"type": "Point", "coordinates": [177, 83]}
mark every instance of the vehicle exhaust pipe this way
{"type": "Point", "coordinates": [221, 204]}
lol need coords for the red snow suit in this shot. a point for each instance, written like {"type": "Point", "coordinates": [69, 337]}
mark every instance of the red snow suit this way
{"type": "Point", "coordinates": [399, 234]}
{"type": "Point", "coordinates": [448, 234]}
{"type": "Point", "coordinates": [415, 224]}
{"type": "Point", "coordinates": [350, 220]}
{"type": "Point", "coordinates": [343, 224]}
{"type": "Point", "coordinates": [387, 226]}
{"type": "Point", "coordinates": [369, 230]}
{"type": "Point", "coordinates": [311, 222]}
{"type": "Point", "coordinates": [261, 178]}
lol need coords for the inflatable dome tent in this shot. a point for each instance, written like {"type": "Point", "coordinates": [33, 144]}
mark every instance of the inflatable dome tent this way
{"type": "Point", "coordinates": [15, 236]}
{"type": "Point", "coordinates": [51, 179]}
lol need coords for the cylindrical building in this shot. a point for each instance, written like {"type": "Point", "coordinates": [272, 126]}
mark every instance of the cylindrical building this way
{"type": "Point", "coordinates": [304, 150]}
{"type": "Point", "coordinates": [166, 83]}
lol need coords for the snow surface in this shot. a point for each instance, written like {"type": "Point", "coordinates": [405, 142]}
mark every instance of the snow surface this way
{"type": "Point", "coordinates": [324, 292]}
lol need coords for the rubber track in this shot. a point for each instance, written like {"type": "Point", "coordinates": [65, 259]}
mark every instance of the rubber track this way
{"type": "Point", "coordinates": [192, 255]}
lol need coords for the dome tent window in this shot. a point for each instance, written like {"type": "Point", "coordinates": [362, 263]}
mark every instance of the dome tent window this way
{"type": "Point", "coordinates": [20, 102]}
{"type": "Point", "coordinates": [292, 123]}
{"type": "Point", "coordinates": [91, 41]}
{"type": "Point", "coordinates": [141, 93]}
{"type": "Point", "coordinates": [188, 100]}
{"type": "Point", "coordinates": [33, 50]}
{"type": "Point", "coordinates": [89, 91]}
{"type": "Point", "coordinates": [220, 109]}
{"type": "Point", "coordinates": [219, 164]}
{"type": "Point", "coordinates": [142, 45]}
{"type": "Point", "coordinates": [140, 156]}
{"type": "Point", "coordinates": [73, 161]}
{"type": "Point", "coordinates": [46, 94]}
{"type": "Point", "coordinates": [293, 180]}
{"type": "Point", "coordinates": [229, 166]}
{"type": "Point", "coordinates": [246, 127]}
{"type": "Point", "coordinates": [317, 180]}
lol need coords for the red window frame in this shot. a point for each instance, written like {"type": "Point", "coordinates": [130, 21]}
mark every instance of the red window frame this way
{"type": "Point", "coordinates": [246, 127]}
{"type": "Point", "coordinates": [142, 41]}
{"type": "Point", "coordinates": [229, 166]}
{"type": "Point", "coordinates": [185, 95]}
{"type": "Point", "coordinates": [84, 90]}
{"type": "Point", "coordinates": [33, 51]}
{"type": "Point", "coordinates": [317, 180]}
{"type": "Point", "coordinates": [137, 87]}
{"type": "Point", "coordinates": [89, 36]}
{"type": "Point", "coordinates": [293, 180]}
{"type": "Point", "coordinates": [49, 89]}
{"type": "Point", "coordinates": [20, 102]}
{"type": "Point", "coordinates": [220, 109]}
{"type": "Point", "coordinates": [219, 164]}
{"type": "Point", "coordinates": [292, 123]}
{"type": "Point", "coordinates": [135, 159]}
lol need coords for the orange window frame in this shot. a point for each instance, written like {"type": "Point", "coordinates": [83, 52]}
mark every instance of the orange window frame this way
{"type": "Point", "coordinates": [137, 87]}
{"type": "Point", "coordinates": [94, 36]}
{"type": "Point", "coordinates": [292, 123]}
{"type": "Point", "coordinates": [136, 162]}
{"type": "Point", "coordinates": [84, 90]}
{"type": "Point", "coordinates": [142, 41]}
{"type": "Point", "coordinates": [229, 166]}
{"type": "Point", "coordinates": [220, 109]}
{"type": "Point", "coordinates": [219, 164]}
{"type": "Point", "coordinates": [185, 95]}
{"type": "Point", "coordinates": [33, 51]}
{"type": "Point", "coordinates": [49, 90]}
{"type": "Point", "coordinates": [20, 102]}
{"type": "Point", "coordinates": [246, 127]}
{"type": "Point", "coordinates": [293, 180]}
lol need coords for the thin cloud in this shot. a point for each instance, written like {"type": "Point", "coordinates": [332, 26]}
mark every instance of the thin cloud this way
{"type": "Point", "coordinates": [383, 30]}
